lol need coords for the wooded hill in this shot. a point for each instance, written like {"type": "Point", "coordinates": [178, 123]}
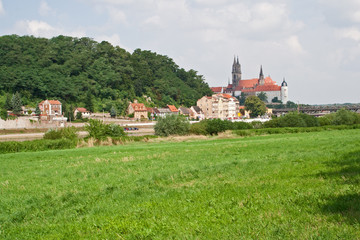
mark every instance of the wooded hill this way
{"type": "Point", "coordinates": [83, 72]}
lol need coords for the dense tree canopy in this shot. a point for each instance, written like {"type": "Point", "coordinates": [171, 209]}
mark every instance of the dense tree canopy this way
{"type": "Point", "coordinates": [82, 72]}
{"type": "Point", "coordinates": [255, 106]}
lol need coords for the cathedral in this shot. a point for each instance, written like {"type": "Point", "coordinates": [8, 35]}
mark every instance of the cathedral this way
{"type": "Point", "coordinates": [253, 86]}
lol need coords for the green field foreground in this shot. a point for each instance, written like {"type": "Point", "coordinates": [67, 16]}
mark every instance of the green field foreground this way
{"type": "Point", "coordinates": [286, 186]}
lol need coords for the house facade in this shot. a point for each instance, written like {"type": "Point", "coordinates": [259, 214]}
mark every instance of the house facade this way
{"type": "Point", "coordinates": [50, 109]}
{"type": "Point", "coordinates": [84, 112]}
{"type": "Point", "coordinates": [220, 105]}
{"type": "Point", "coordinates": [138, 109]}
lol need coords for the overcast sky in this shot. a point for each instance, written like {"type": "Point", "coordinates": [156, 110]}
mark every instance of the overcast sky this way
{"type": "Point", "coordinates": [314, 44]}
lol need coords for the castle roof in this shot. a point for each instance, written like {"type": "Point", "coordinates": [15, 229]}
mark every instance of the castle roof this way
{"type": "Point", "coordinates": [216, 89]}
{"type": "Point", "coordinates": [263, 88]}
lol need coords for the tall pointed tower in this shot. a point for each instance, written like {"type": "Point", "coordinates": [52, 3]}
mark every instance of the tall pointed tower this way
{"type": "Point", "coordinates": [236, 73]}
{"type": "Point", "coordinates": [284, 92]}
{"type": "Point", "coordinates": [261, 77]}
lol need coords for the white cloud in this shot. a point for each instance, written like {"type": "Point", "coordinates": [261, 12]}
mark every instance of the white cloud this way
{"type": "Point", "coordinates": [44, 9]}
{"type": "Point", "coordinates": [294, 44]}
{"type": "Point", "coordinates": [154, 20]}
{"type": "Point", "coordinates": [350, 33]}
{"type": "Point", "coordinates": [117, 15]}
{"type": "Point", "coordinates": [114, 39]}
{"type": "Point", "coordinates": [43, 29]}
{"type": "Point", "coordinates": [2, 10]}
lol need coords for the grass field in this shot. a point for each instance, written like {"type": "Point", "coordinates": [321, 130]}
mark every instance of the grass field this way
{"type": "Point", "coordinates": [286, 186]}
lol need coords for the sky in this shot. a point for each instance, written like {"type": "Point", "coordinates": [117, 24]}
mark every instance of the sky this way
{"type": "Point", "coordinates": [313, 44]}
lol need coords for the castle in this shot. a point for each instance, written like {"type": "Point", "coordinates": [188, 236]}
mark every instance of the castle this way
{"type": "Point", "coordinates": [253, 86]}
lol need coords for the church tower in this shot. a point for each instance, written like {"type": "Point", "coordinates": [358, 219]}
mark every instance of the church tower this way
{"type": "Point", "coordinates": [261, 77]}
{"type": "Point", "coordinates": [236, 73]}
{"type": "Point", "coordinates": [284, 92]}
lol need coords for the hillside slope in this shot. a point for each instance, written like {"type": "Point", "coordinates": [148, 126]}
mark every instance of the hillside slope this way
{"type": "Point", "coordinates": [80, 70]}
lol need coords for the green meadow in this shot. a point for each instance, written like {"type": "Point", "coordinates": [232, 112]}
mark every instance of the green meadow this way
{"type": "Point", "coordinates": [285, 186]}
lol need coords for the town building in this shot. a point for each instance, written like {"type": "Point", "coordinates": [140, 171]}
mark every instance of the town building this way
{"type": "Point", "coordinates": [173, 109]}
{"type": "Point", "coordinates": [221, 105]}
{"type": "Point", "coordinates": [196, 113]}
{"type": "Point", "coordinates": [138, 109]}
{"type": "Point", "coordinates": [50, 109]}
{"type": "Point", "coordinates": [84, 112]}
{"type": "Point", "coordinates": [253, 86]}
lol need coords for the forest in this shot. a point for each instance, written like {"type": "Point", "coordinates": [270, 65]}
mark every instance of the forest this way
{"type": "Point", "coordinates": [81, 72]}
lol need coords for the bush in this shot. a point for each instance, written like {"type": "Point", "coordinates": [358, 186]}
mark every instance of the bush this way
{"type": "Point", "coordinates": [241, 125]}
{"type": "Point", "coordinates": [67, 133]}
{"type": "Point", "coordinates": [324, 120]}
{"type": "Point", "coordinates": [215, 126]}
{"type": "Point", "coordinates": [172, 125]}
{"type": "Point", "coordinates": [198, 128]}
{"type": "Point", "coordinates": [36, 145]}
{"type": "Point", "coordinates": [346, 117]}
{"type": "Point", "coordinates": [100, 131]}
{"type": "Point", "coordinates": [293, 119]}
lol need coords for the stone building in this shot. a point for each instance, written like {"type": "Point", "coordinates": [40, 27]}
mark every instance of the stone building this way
{"type": "Point", "coordinates": [253, 86]}
{"type": "Point", "coordinates": [220, 105]}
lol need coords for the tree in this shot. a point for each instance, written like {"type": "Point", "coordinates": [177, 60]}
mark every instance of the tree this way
{"type": "Point", "coordinates": [255, 106]}
{"type": "Point", "coordinates": [275, 100]}
{"type": "Point", "coordinates": [291, 104]}
{"type": "Point", "coordinates": [79, 115]}
{"type": "Point", "coordinates": [113, 112]}
{"type": "Point", "coordinates": [172, 125]}
{"type": "Point", "coordinates": [7, 105]}
{"type": "Point", "coordinates": [89, 104]}
{"type": "Point", "coordinates": [37, 110]}
{"type": "Point", "coordinates": [16, 103]}
{"type": "Point", "coordinates": [3, 114]}
{"type": "Point", "coordinates": [242, 99]}
{"type": "Point", "coordinates": [263, 97]}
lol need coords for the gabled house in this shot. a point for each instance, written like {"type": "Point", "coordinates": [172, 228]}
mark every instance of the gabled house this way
{"type": "Point", "coordinates": [184, 111]}
{"type": "Point", "coordinates": [138, 109]}
{"type": "Point", "coordinates": [163, 112]}
{"type": "Point", "coordinates": [196, 113]}
{"type": "Point", "coordinates": [84, 112]}
{"type": "Point", "coordinates": [173, 109]}
{"type": "Point", "coordinates": [50, 109]}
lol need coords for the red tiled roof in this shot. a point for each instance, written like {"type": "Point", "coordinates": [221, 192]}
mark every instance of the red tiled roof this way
{"type": "Point", "coordinates": [172, 108]}
{"type": "Point", "coordinates": [216, 89]}
{"type": "Point", "coordinates": [82, 110]}
{"type": "Point", "coordinates": [224, 95]}
{"type": "Point", "coordinates": [138, 107]}
{"type": "Point", "coordinates": [267, 88]}
{"type": "Point", "coordinates": [248, 90]}
{"type": "Point", "coordinates": [54, 102]}
{"type": "Point", "coordinates": [268, 80]}
{"type": "Point", "coordinates": [247, 83]}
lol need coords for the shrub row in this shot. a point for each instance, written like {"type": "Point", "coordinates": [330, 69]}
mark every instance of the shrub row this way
{"type": "Point", "coordinates": [172, 125]}
{"type": "Point", "coordinates": [265, 131]}
{"type": "Point", "coordinates": [67, 133]}
{"type": "Point", "coordinates": [215, 126]}
{"type": "Point", "coordinates": [36, 145]}
{"type": "Point", "coordinates": [101, 131]}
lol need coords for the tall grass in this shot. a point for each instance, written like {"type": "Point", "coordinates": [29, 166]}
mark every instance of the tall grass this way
{"type": "Point", "coordinates": [284, 186]}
